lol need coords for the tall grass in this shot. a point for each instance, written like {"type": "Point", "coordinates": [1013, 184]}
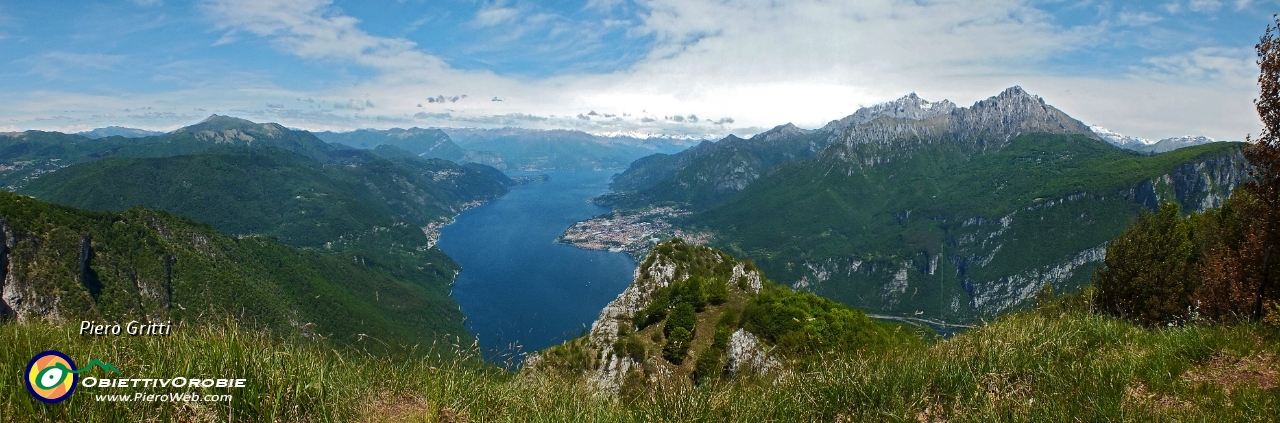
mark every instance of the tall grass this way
{"type": "Point", "coordinates": [1023, 367]}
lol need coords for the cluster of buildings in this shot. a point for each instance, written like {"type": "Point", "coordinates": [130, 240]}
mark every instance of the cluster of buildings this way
{"type": "Point", "coordinates": [633, 232]}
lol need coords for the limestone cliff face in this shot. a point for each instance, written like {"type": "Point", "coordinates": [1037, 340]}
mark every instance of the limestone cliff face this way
{"type": "Point", "coordinates": [6, 311]}
{"type": "Point", "coordinates": [986, 258]}
{"type": "Point", "coordinates": [656, 273]}
{"type": "Point", "coordinates": [1198, 186]}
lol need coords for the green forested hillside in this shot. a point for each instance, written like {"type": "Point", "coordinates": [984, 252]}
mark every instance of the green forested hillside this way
{"type": "Point", "coordinates": [269, 191]}
{"type": "Point", "coordinates": [707, 174]}
{"type": "Point", "coordinates": [25, 156]}
{"type": "Point", "coordinates": [220, 130]}
{"type": "Point", "coordinates": [66, 265]}
{"type": "Point", "coordinates": [949, 233]}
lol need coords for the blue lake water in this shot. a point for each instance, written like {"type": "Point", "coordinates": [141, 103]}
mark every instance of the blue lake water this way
{"type": "Point", "coordinates": [519, 289]}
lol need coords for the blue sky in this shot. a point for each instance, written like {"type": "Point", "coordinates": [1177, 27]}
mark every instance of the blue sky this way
{"type": "Point", "coordinates": [1152, 69]}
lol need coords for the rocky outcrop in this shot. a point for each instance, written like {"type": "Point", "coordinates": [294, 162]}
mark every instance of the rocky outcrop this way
{"type": "Point", "coordinates": [608, 378]}
{"type": "Point", "coordinates": [1197, 186]}
{"type": "Point", "coordinates": [909, 107]}
{"type": "Point", "coordinates": [663, 267]}
{"type": "Point", "coordinates": [660, 272]}
{"type": "Point", "coordinates": [6, 246]}
{"type": "Point", "coordinates": [1005, 293]}
{"type": "Point", "coordinates": [747, 354]}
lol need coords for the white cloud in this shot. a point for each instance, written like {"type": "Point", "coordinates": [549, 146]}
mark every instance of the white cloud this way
{"type": "Point", "coordinates": [1231, 66]}
{"type": "Point", "coordinates": [1204, 5]}
{"type": "Point", "coordinates": [491, 16]}
{"type": "Point", "coordinates": [1139, 18]}
{"type": "Point", "coordinates": [310, 29]}
{"type": "Point", "coordinates": [760, 62]}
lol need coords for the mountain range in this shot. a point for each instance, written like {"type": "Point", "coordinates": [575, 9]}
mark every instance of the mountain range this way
{"type": "Point", "coordinates": [513, 148]}
{"type": "Point", "coordinates": [1147, 146]}
{"type": "Point", "coordinates": [926, 208]}
{"type": "Point", "coordinates": [118, 131]}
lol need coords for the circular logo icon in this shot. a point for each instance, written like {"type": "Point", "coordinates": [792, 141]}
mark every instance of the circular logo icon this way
{"type": "Point", "coordinates": [50, 377]}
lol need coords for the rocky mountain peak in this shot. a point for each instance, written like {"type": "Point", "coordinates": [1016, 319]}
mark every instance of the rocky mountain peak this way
{"type": "Point", "coordinates": [910, 106]}
{"type": "Point", "coordinates": [987, 124]}
{"type": "Point", "coordinates": [1011, 113]}
{"type": "Point", "coordinates": [780, 131]}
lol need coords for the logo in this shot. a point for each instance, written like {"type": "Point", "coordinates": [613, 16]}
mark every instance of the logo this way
{"type": "Point", "coordinates": [52, 376]}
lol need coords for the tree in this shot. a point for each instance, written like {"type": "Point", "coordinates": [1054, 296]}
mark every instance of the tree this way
{"type": "Point", "coordinates": [677, 346]}
{"type": "Point", "coordinates": [1150, 271]}
{"type": "Point", "coordinates": [1263, 155]}
{"type": "Point", "coordinates": [683, 317]}
{"type": "Point", "coordinates": [1230, 265]}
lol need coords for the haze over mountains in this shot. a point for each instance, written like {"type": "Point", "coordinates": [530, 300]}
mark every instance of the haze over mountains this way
{"type": "Point", "coordinates": [514, 148]}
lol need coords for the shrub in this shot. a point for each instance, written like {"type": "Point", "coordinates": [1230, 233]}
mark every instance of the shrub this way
{"type": "Point", "coordinates": [718, 291]}
{"type": "Point", "coordinates": [1150, 271]}
{"type": "Point", "coordinates": [721, 339]}
{"type": "Point", "coordinates": [630, 346]}
{"type": "Point", "coordinates": [683, 317]}
{"type": "Point", "coordinates": [708, 366]}
{"type": "Point", "coordinates": [677, 345]}
{"type": "Point", "coordinates": [691, 292]}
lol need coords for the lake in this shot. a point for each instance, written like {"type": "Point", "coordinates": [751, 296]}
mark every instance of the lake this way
{"type": "Point", "coordinates": [520, 290]}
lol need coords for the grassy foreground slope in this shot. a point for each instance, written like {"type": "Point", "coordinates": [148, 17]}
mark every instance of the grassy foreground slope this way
{"type": "Point", "coordinates": [1028, 366]}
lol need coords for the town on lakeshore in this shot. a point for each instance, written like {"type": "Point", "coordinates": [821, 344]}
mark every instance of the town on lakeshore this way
{"type": "Point", "coordinates": [633, 232]}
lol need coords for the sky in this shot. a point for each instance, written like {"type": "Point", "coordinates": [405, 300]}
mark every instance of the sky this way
{"type": "Point", "coordinates": [1152, 69]}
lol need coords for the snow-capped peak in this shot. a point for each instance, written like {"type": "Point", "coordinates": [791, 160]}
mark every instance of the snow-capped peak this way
{"type": "Point", "coordinates": [1190, 139]}
{"type": "Point", "coordinates": [1118, 138]}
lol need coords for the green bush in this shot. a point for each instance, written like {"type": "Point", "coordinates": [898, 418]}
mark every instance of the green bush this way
{"type": "Point", "coordinates": [718, 291]}
{"type": "Point", "coordinates": [1151, 270]}
{"type": "Point", "coordinates": [677, 346]}
{"type": "Point", "coordinates": [708, 365]}
{"type": "Point", "coordinates": [805, 324]}
{"type": "Point", "coordinates": [630, 346]}
{"type": "Point", "coordinates": [721, 339]}
{"type": "Point", "coordinates": [691, 292]}
{"type": "Point", "coordinates": [655, 311]}
{"type": "Point", "coordinates": [683, 317]}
